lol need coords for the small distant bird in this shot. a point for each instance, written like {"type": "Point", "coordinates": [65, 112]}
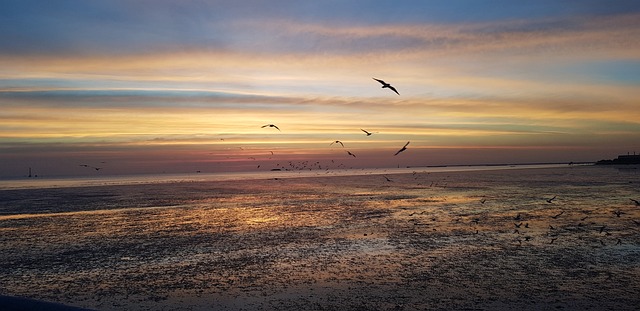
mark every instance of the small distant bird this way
{"type": "Point", "coordinates": [351, 154]}
{"type": "Point", "coordinates": [337, 142]}
{"type": "Point", "coordinates": [387, 178]}
{"type": "Point", "coordinates": [526, 225]}
{"type": "Point", "coordinates": [93, 167]}
{"type": "Point", "coordinates": [517, 217]}
{"type": "Point", "coordinates": [636, 202]}
{"type": "Point", "coordinates": [402, 149]}
{"type": "Point", "coordinates": [518, 225]}
{"type": "Point", "coordinates": [270, 125]}
{"type": "Point", "coordinates": [553, 240]}
{"type": "Point", "coordinates": [551, 200]}
{"type": "Point", "coordinates": [483, 200]}
{"type": "Point", "coordinates": [557, 215]}
{"type": "Point", "coordinates": [368, 133]}
{"type": "Point", "coordinates": [387, 85]}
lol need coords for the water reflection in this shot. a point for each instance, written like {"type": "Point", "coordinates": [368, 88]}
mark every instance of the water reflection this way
{"type": "Point", "coordinates": [348, 241]}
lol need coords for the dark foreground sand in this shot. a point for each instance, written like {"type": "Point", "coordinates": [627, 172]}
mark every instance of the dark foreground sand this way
{"type": "Point", "coordinates": [8, 303]}
{"type": "Point", "coordinates": [451, 241]}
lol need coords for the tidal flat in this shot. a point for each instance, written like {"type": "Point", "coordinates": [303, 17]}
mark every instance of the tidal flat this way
{"type": "Point", "coordinates": [530, 239]}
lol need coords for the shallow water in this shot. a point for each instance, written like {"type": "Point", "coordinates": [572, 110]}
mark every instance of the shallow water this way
{"type": "Point", "coordinates": [424, 240]}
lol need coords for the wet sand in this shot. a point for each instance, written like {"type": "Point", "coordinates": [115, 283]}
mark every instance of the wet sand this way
{"type": "Point", "coordinates": [423, 241]}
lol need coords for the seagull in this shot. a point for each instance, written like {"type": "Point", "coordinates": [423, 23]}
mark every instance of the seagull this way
{"type": "Point", "coordinates": [270, 125]}
{"type": "Point", "coordinates": [337, 142]}
{"type": "Point", "coordinates": [93, 167]}
{"type": "Point", "coordinates": [387, 85]}
{"type": "Point", "coordinates": [351, 154]}
{"type": "Point", "coordinates": [550, 200]}
{"type": "Point", "coordinates": [402, 149]}
{"type": "Point", "coordinates": [366, 132]}
{"type": "Point", "coordinates": [387, 178]}
{"type": "Point", "coordinates": [557, 215]}
{"type": "Point", "coordinates": [636, 202]}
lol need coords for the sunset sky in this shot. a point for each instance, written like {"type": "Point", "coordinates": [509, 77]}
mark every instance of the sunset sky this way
{"type": "Point", "coordinates": [146, 86]}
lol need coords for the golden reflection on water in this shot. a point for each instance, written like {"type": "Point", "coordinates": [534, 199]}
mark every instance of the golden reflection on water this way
{"type": "Point", "coordinates": [292, 242]}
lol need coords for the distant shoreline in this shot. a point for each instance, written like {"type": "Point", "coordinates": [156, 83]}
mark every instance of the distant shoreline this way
{"type": "Point", "coordinates": [120, 180]}
{"type": "Point", "coordinates": [506, 164]}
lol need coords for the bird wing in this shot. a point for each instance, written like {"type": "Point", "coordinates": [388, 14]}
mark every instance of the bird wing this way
{"type": "Point", "coordinates": [407, 144]}
{"type": "Point", "coordinates": [341, 143]}
{"type": "Point", "coordinates": [394, 89]}
{"type": "Point", "coordinates": [275, 127]}
{"type": "Point", "coordinates": [383, 83]}
{"type": "Point", "coordinates": [365, 131]}
{"type": "Point", "coordinates": [264, 125]}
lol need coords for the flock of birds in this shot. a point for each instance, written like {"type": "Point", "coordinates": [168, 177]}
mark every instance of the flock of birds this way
{"type": "Point", "coordinates": [384, 85]}
{"type": "Point", "coordinates": [554, 231]}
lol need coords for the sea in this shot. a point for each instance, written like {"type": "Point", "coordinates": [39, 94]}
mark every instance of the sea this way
{"type": "Point", "coordinates": [529, 237]}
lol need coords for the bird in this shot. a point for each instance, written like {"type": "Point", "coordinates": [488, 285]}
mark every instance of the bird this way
{"type": "Point", "coordinates": [351, 154]}
{"type": "Point", "coordinates": [368, 133]}
{"type": "Point", "coordinates": [518, 225]}
{"type": "Point", "coordinates": [557, 215]}
{"type": "Point", "coordinates": [270, 125]}
{"type": "Point", "coordinates": [636, 202]}
{"type": "Point", "coordinates": [387, 178]}
{"type": "Point", "coordinates": [483, 200]}
{"type": "Point", "coordinates": [387, 85]}
{"type": "Point", "coordinates": [93, 167]}
{"type": "Point", "coordinates": [551, 200]}
{"type": "Point", "coordinates": [337, 142]}
{"type": "Point", "coordinates": [402, 149]}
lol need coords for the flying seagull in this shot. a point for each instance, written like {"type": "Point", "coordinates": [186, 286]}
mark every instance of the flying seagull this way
{"type": "Point", "coordinates": [270, 125]}
{"type": "Point", "coordinates": [402, 149]}
{"type": "Point", "coordinates": [337, 142]}
{"type": "Point", "coordinates": [387, 85]}
{"type": "Point", "coordinates": [93, 167]}
{"type": "Point", "coordinates": [551, 200]}
{"type": "Point", "coordinates": [368, 133]}
{"type": "Point", "coordinates": [351, 154]}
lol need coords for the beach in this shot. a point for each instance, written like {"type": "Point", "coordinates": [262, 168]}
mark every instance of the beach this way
{"type": "Point", "coordinates": [561, 238]}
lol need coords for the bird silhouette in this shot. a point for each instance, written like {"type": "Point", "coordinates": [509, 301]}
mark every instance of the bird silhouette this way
{"type": "Point", "coordinates": [387, 85]}
{"type": "Point", "coordinates": [551, 200]}
{"type": "Point", "coordinates": [387, 178]}
{"type": "Point", "coordinates": [351, 154]}
{"type": "Point", "coordinates": [93, 167]}
{"type": "Point", "coordinates": [402, 149]}
{"type": "Point", "coordinates": [270, 125]}
{"type": "Point", "coordinates": [636, 202]}
{"type": "Point", "coordinates": [337, 142]}
{"type": "Point", "coordinates": [366, 132]}
{"type": "Point", "coordinates": [557, 215]}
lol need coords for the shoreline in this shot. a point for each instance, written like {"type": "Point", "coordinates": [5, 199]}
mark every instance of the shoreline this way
{"type": "Point", "coordinates": [119, 180]}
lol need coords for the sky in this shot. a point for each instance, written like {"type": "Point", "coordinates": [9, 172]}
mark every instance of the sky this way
{"type": "Point", "coordinates": [164, 86]}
